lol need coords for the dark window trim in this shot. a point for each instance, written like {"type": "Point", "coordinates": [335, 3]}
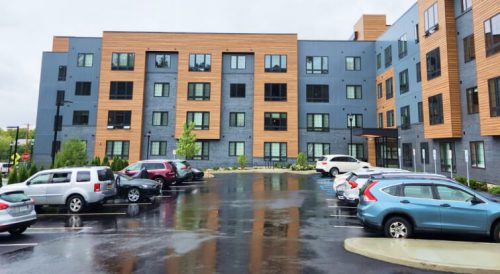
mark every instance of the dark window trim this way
{"type": "Point", "coordinates": [473, 154]}
{"type": "Point", "coordinates": [83, 88]}
{"type": "Point", "coordinates": [494, 96]}
{"type": "Point", "coordinates": [163, 119]}
{"type": "Point", "coordinates": [116, 94]}
{"type": "Point", "coordinates": [165, 89]}
{"type": "Point", "coordinates": [405, 117]}
{"type": "Point", "coordinates": [354, 58]}
{"type": "Point", "coordinates": [490, 45]}
{"type": "Point", "coordinates": [282, 67]}
{"type": "Point", "coordinates": [236, 114]}
{"type": "Point", "coordinates": [203, 115]}
{"type": "Point", "coordinates": [404, 87]}
{"type": "Point", "coordinates": [436, 109]}
{"type": "Point", "coordinates": [165, 63]}
{"type": "Point", "coordinates": [469, 48]}
{"type": "Point", "coordinates": [314, 70]}
{"type": "Point", "coordinates": [389, 92]}
{"type": "Point", "coordinates": [325, 127]}
{"type": "Point", "coordinates": [355, 92]}
{"type": "Point", "coordinates": [160, 152]}
{"type": "Point", "coordinates": [283, 92]}
{"type": "Point", "coordinates": [356, 120]}
{"type": "Point", "coordinates": [433, 71]}
{"type": "Point", "coordinates": [235, 90]}
{"type": "Point", "coordinates": [279, 158]}
{"type": "Point", "coordinates": [77, 119]}
{"type": "Point", "coordinates": [472, 100]}
{"type": "Point", "coordinates": [235, 143]}
{"type": "Point", "coordinates": [283, 121]}
{"type": "Point", "coordinates": [117, 66]}
{"type": "Point", "coordinates": [127, 119]}
{"type": "Point", "coordinates": [207, 65]}
{"type": "Point", "coordinates": [124, 154]}
{"type": "Point", "coordinates": [191, 94]}
{"type": "Point", "coordinates": [323, 98]}
{"type": "Point", "coordinates": [204, 153]}
{"type": "Point", "coordinates": [313, 157]}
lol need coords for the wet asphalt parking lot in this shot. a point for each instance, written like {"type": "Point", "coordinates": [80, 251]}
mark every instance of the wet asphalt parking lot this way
{"type": "Point", "coordinates": [234, 223]}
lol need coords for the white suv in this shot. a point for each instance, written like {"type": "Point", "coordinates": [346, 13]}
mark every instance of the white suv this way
{"type": "Point", "coordinates": [72, 187]}
{"type": "Point", "coordinates": [338, 163]}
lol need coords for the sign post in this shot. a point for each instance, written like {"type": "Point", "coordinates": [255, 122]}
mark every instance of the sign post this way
{"type": "Point", "coordinates": [423, 157]}
{"type": "Point", "coordinates": [414, 162]}
{"type": "Point", "coordinates": [399, 158]}
{"type": "Point", "coordinates": [450, 156]}
{"type": "Point", "coordinates": [467, 165]}
{"type": "Point", "coordinates": [435, 163]}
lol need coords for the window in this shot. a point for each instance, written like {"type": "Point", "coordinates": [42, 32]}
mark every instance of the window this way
{"type": "Point", "coordinates": [237, 90]}
{"type": "Point", "coordinates": [407, 155]}
{"type": "Point", "coordinates": [392, 190]}
{"type": "Point", "coordinates": [317, 65]}
{"type": "Point", "coordinates": [119, 119]}
{"type": "Point", "coordinates": [472, 100]}
{"type": "Point", "coordinates": [448, 160]}
{"type": "Point", "coordinates": [151, 166]}
{"type": "Point", "coordinates": [238, 62]}
{"type": "Point", "coordinates": [318, 122]}
{"type": "Point", "coordinates": [80, 118]}
{"type": "Point", "coordinates": [61, 177]}
{"type": "Point", "coordinates": [58, 119]}
{"type": "Point", "coordinates": [420, 112]}
{"type": "Point", "coordinates": [275, 92]}
{"type": "Point", "coordinates": [85, 59]}
{"type": "Point", "coordinates": [388, 56]}
{"type": "Point", "coordinates": [494, 91]}
{"type": "Point", "coordinates": [477, 154]}
{"type": "Point", "coordinates": [436, 109]}
{"type": "Point", "coordinates": [122, 61]}
{"type": "Point", "coordinates": [354, 92]}
{"type": "Point", "coordinates": [162, 61]}
{"type": "Point", "coordinates": [200, 62]}
{"type": "Point", "coordinates": [379, 60]}
{"type": "Point", "coordinates": [121, 90]}
{"type": "Point", "coordinates": [315, 151]}
{"type": "Point", "coordinates": [82, 88]}
{"type": "Point", "coordinates": [418, 191]}
{"type": "Point", "coordinates": [419, 72]}
{"type": "Point", "coordinates": [388, 89]}
{"type": "Point", "coordinates": [161, 90]}
{"type": "Point", "coordinates": [60, 97]}
{"type": "Point", "coordinates": [83, 176]}
{"type": "Point", "coordinates": [390, 118]}
{"type": "Point", "coordinates": [469, 48]}
{"type": "Point", "coordinates": [453, 194]}
{"type": "Point", "coordinates": [424, 150]}
{"type": "Point", "coordinates": [275, 121]}
{"type": "Point", "coordinates": [417, 34]}
{"type": "Point", "coordinates": [379, 90]}
{"type": "Point", "coordinates": [275, 63]}
{"type": "Point", "coordinates": [200, 119]}
{"type": "Point", "coordinates": [275, 152]}
{"type": "Point", "coordinates": [433, 64]}
{"type": "Point", "coordinates": [405, 117]}
{"type": "Point", "coordinates": [380, 120]}
{"type": "Point", "coordinates": [403, 46]}
{"type": "Point", "coordinates": [203, 152]}
{"type": "Point", "coordinates": [117, 149]}
{"type": "Point", "coordinates": [354, 120]}
{"type": "Point", "coordinates": [61, 73]}
{"type": "Point", "coordinates": [160, 118]}
{"type": "Point", "coordinates": [236, 119]}
{"type": "Point", "coordinates": [492, 34]}
{"type": "Point", "coordinates": [466, 5]}
{"type": "Point", "coordinates": [404, 84]}
{"type": "Point", "coordinates": [317, 94]}
{"type": "Point", "coordinates": [158, 148]}
{"type": "Point", "coordinates": [199, 91]}
{"type": "Point", "coordinates": [40, 179]}
{"type": "Point", "coordinates": [236, 148]}
{"type": "Point", "coordinates": [357, 151]}
{"type": "Point", "coordinates": [431, 19]}
{"type": "Point", "coordinates": [352, 63]}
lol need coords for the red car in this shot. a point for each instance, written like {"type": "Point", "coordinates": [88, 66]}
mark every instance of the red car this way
{"type": "Point", "coordinates": [162, 171]}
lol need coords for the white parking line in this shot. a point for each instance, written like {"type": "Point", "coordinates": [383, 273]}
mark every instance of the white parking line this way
{"type": "Point", "coordinates": [163, 196]}
{"type": "Point", "coordinates": [83, 214]}
{"type": "Point", "coordinates": [127, 204]}
{"type": "Point", "coordinates": [59, 228]}
{"type": "Point", "coordinates": [342, 206]}
{"type": "Point", "coordinates": [347, 226]}
{"type": "Point", "coordinates": [344, 216]}
{"type": "Point", "coordinates": [28, 244]}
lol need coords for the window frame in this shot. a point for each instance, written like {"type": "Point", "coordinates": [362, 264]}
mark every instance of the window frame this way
{"type": "Point", "coordinates": [404, 86]}
{"type": "Point", "coordinates": [194, 66]}
{"type": "Point", "coordinates": [405, 117]}
{"type": "Point", "coordinates": [204, 152]}
{"type": "Point", "coordinates": [357, 118]}
{"type": "Point", "coordinates": [77, 118]}
{"type": "Point", "coordinates": [126, 117]}
{"type": "Point", "coordinates": [379, 60]}
{"type": "Point", "coordinates": [420, 110]}
{"type": "Point", "coordinates": [472, 100]}
{"type": "Point", "coordinates": [360, 147]}
{"type": "Point", "coordinates": [83, 88]}
{"type": "Point", "coordinates": [269, 125]}
{"type": "Point", "coordinates": [407, 154]}
{"type": "Point", "coordinates": [205, 117]}
{"type": "Point", "coordinates": [325, 126]}
{"type": "Point", "coordinates": [116, 94]}
{"type": "Point", "coordinates": [433, 70]}
{"type": "Point", "coordinates": [165, 89]}
{"type": "Point", "coordinates": [380, 120]}
{"type": "Point", "coordinates": [424, 146]}
{"type": "Point", "coordinates": [312, 157]}
{"type": "Point", "coordinates": [165, 63]}
{"type": "Point", "coordinates": [124, 154]}
{"type": "Point", "coordinates": [389, 92]}
{"type": "Point", "coordinates": [388, 56]}
{"type": "Point", "coordinates": [314, 89]}
{"type": "Point", "coordinates": [435, 104]}
{"type": "Point", "coordinates": [163, 118]}
{"type": "Point", "coordinates": [356, 66]}
{"type": "Point", "coordinates": [62, 72]}
{"type": "Point", "coordinates": [235, 148]}
{"type": "Point", "coordinates": [491, 47]}
{"type": "Point", "coordinates": [358, 90]}
{"type": "Point", "coordinates": [418, 67]}
{"type": "Point", "coordinates": [444, 166]}
{"type": "Point", "coordinates": [391, 112]}
{"type": "Point", "coordinates": [237, 61]}
{"type": "Point", "coordinates": [380, 91]}
{"type": "Point", "coordinates": [311, 69]}
{"type": "Point", "coordinates": [235, 90]}
{"type": "Point", "coordinates": [282, 92]}
{"type": "Point", "coordinates": [282, 67]}
{"type": "Point", "coordinates": [474, 155]}
{"type": "Point", "coordinates": [116, 61]}
{"type": "Point", "coordinates": [161, 144]}
{"type": "Point", "coordinates": [469, 48]}
{"type": "Point", "coordinates": [233, 117]}
{"type": "Point", "coordinates": [431, 27]}
{"type": "Point", "coordinates": [494, 96]}
{"type": "Point", "coordinates": [84, 57]}
{"type": "Point", "coordinates": [403, 46]}
{"type": "Point", "coordinates": [282, 156]}
{"type": "Point", "coordinates": [192, 89]}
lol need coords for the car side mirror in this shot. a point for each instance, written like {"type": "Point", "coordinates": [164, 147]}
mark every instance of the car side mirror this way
{"type": "Point", "coordinates": [476, 201]}
{"type": "Point", "coordinates": [28, 183]}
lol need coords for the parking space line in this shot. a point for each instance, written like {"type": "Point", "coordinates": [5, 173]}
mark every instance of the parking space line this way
{"type": "Point", "coordinates": [347, 226]}
{"type": "Point", "coordinates": [27, 244]}
{"type": "Point", "coordinates": [59, 228]}
{"type": "Point", "coordinates": [342, 206]}
{"type": "Point", "coordinates": [162, 196]}
{"type": "Point", "coordinates": [344, 216]}
{"type": "Point", "coordinates": [127, 204]}
{"type": "Point", "coordinates": [84, 214]}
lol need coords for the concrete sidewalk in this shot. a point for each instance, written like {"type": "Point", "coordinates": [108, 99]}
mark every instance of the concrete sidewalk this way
{"type": "Point", "coordinates": [447, 256]}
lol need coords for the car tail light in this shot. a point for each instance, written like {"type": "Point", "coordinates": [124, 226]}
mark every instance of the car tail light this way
{"type": "Point", "coordinates": [353, 184]}
{"type": "Point", "coordinates": [184, 168]}
{"type": "Point", "coordinates": [97, 187]}
{"type": "Point", "coordinates": [368, 195]}
{"type": "Point", "coordinates": [323, 163]}
{"type": "Point", "coordinates": [3, 206]}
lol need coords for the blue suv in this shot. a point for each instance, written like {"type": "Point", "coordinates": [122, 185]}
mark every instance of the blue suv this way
{"type": "Point", "coordinates": [402, 204]}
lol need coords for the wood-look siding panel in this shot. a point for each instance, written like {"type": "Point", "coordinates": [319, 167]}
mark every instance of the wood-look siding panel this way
{"type": "Point", "coordinates": [60, 44]}
{"type": "Point", "coordinates": [370, 27]}
{"type": "Point", "coordinates": [384, 105]}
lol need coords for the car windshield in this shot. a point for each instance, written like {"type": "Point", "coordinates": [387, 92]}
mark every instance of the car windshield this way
{"type": "Point", "coordinates": [14, 197]}
{"type": "Point", "coordinates": [323, 159]}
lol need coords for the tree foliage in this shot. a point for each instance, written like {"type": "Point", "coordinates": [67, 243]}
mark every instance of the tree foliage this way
{"type": "Point", "coordinates": [13, 177]}
{"type": "Point", "coordinates": [186, 146]}
{"type": "Point", "coordinates": [242, 161]}
{"type": "Point", "coordinates": [301, 159]}
{"type": "Point", "coordinates": [33, 170]}
{"type": "Point", "coordinates": [23, 174]}
{"type": "Point", "coordinates": [105, 161]}
{"type": "Point", "coordinates": [72, 153]}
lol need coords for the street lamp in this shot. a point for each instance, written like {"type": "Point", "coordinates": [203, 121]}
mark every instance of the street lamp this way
{"type": "Point", "coordinates": [60, 102]}
{"type": "Point", "coordinates": [350, 117]}
{"type": "Point", "coordinates": [147, 152]}
{"type": "Point", "coordinates": [15, 147]}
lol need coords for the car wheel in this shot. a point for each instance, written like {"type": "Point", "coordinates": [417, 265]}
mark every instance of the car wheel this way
{"type": "Point", "coordinates": [334, 171]}
{"type": "Point", "coordinates": [134, 195]}
{"type": "Point", "coordinates": [160, 180]}
{"type": "Point", "coordinates": [75, 204]}
{"type": "Point", "coordinates": [398, 227]}
{"type": "Point", "coordinates": [18, 230]}
{"type": "Point", "coordinates": [496, 233]}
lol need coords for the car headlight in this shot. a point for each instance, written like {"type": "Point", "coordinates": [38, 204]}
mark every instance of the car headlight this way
{"type": "Point", "coordinates": [147, 186]}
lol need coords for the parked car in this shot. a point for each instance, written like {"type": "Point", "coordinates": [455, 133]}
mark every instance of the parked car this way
{"type": "Point", "coordinates": [73, 187]}
{"type": "Point", "coordinates": [339, 179]}
{"type": "Point", "coordinates": [184, 170]}
{"type": "Point", "coordinates": [337, 163]}
{"type": "Point", "coordinates": [400, 205]}
{"type": "Point", "coordinates": [17, 212]}
{"type": "Point", "coordinates": [162, 171]}
{"type": "Point", "coordinates": [4, 168]}
{"type": "Point", "coordinates": [197, 174]}
{"type": "Point", "coordinates": [135, 190]}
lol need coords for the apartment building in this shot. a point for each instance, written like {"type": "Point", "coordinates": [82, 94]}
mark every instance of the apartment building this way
{"type": "Point", "coordinates": [428, 84]}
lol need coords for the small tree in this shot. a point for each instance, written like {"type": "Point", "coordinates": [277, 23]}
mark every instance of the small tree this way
{"type": "Point", "coordinates": [187, 142]}
{"type": "Point", "coordinates": [105, 161]}
{"type": "Point", "coordinates": [33, 170]}
{"type": "Point", "coordinates": [242, 160]}
{"type": "Point", "coordinates": [96, 161]}
{"type": "Point", "coordinates": [301, 159]}
{"type": "Point", "coordinates": [23, 174]}
{"type": "Point", "coordinates": [73, 153]}
{"type": "Point", "coordinates": [12, 177]}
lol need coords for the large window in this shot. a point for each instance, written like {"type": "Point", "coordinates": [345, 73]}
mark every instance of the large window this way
{"type": "Point", "coordinates": [433, 64]}
{"type": "Point", "coordinates": [199, 91]}
{"type": "Point", "coordinates": [80, 118]}
{"type": "Point", "coordinates": [275, 151]}
{"type": "Point", "coordinates": [431, 19]}
{"type": "Point", "coordinates": [162, 60]}
{"type": "Point", "coordinates": [117, 149]}
{"type": "Point", "coordinates": [85, 60]}
{"type": "Point", "coordinates": [407, 155]}
{"type": "Point", "coordinates": [61, 73]}
{"type": "Point", "coordinates": [380, 120]}
{"type": "Point", "coordinates": [352, 63]}
{"type": "Point", "coordinates": [379, 60]}
{"type": "Point", "coordinates": [200, 120]}
{"type": "Point", "coordinates": [494, 91]}
{"type": "Point", "coordinates": [388, 56]}
{"type": "Point", "coordinates": [477, 154]}
{"type": "Point", "coordinates": [82, 88]}
{"type": "Point", "coordinates": [121, 90]}
{"type": "Point", "coordinates": [236, 148]}
{"type": "Point", "coordinates": [275, 121]}
{"type": "Point", "coordinates": [158, 148]}
{"type": "Point", "coordinates": [318, 122]}
{"type": "Point", "coordinates": [419, 72]}
{"type": "Point", "coordinates": [403, 46]}
{"type": "Point", "coordinates": [420, 109]}
{"type": "Point", "coordinates": [469, 48]}
{"type": "Point", "coordinates": [161, 90]}
{"type": "Point", "coordinates": [389, 93]}
{"type": "Point", "coordinates": [237, 90]}
{"type": "Point", "coordinates": [492, 34]}
{"type": "Point", "coordinates": [316, 150]}
{"type": "Point", "coordinates": [275, 92]}
{"type": "Point", "coordinates": [379, 90]}
{"type": "Point", "coordinates": [237, 119]}
{"type": "Point", "coordinates": [160, 118]}
{"type": "Point", "coordinates": [472, 100]}
{"type": "Point", "coordinates": [424, 150]}
{"type": "Point", "coordinates": [200, 62]}
{"type": "Point", "coordinates": [316, 65]}
{"type": "Point", "coordinates": [390, 118]}
{"type": "Point", "coordinates": [317, 94]}
{"type": "Point", "coordinates": [357, 151]}
{"type": "Point", "coordinates": [275, 63]}
{"type": "Point", "coordinates": [354, 120]}
{"type": "Point", "coordinates": [436, 109]}
{"type": "Point", "coordinates": [354, 92]}
{"type": "Point", "coordinates": [119, 119]}
{"type": "Point", "coordinates": [466, 5]}
{"type": "Point", "coordinates": [405, 117]}
{"type": "Point", "coordinates": [238, 61]}
{"type": "Point", "coordinates": [447, 155]}
{"type": "Point", "coordinates": [122, 61]}
{"type": "Point", "coordinates": [404, 83]}
{"type": "Point", "coordinates": [203, 152]}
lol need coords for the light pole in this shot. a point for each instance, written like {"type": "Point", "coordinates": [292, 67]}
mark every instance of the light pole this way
{"type": "Point", "coordinates": [147, 151]}
{"type": "Point", "coordinates": [350, 117]}
{"type": "Point", "coordinates": [59, 103]}
{"type": "Point", "coordinates": [15, 147]}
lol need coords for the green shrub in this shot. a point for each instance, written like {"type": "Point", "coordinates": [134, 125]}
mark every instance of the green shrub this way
{"type": "Point", "coordinates": [288, 166]}
{"type": "Point", "coordinates": [96, 161]}
{"type": "Point", "coordinates": [215, 168]}
{"type": "Point", "coordinates": [461, 179]}
{"type": "Point", "coordinates": [12, 177]}
{"type": "Point", "coordinates": [22, 175]}
{"type": "Point", "coordinates": [234, 168]}
{"type": "Point", "coordinates": [278, 165]}
{"type": "Point", "coordinates": [301, 159]}
{"type": "Point", "coordinates": [495, 190]}
{"type": "Point", "coordinates": [105, 161]}
{"type": "Point", "coordinates": [480, 186]}
{"type": "Point", "coordinates": [242, 161]}
{"type": "Point", "coordinates": [33, 170]}
{"type": "Point", "coordinates": [301, 168]}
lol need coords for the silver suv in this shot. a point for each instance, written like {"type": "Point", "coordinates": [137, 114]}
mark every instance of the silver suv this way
{"type": "Point", "coordinates": [73, 187]}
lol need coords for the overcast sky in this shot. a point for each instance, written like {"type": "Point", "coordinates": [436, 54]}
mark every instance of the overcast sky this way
{"type": "Point", "coordinates": [27, 27]}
